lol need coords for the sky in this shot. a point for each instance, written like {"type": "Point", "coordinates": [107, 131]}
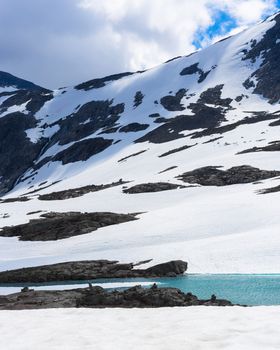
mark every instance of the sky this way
{"type": "Point", "coordinates": [57, 43]}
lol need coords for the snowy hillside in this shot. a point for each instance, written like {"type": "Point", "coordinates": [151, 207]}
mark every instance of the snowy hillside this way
{"type": "Point", "coordinates": [200, 134]}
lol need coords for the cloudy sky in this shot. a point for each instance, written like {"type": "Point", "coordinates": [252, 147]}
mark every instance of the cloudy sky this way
{"type": "Point", "coordinates": [63, 42]}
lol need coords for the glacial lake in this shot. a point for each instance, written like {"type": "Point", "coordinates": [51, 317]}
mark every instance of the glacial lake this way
{"type": "Point", "coordinates": [261, 289]}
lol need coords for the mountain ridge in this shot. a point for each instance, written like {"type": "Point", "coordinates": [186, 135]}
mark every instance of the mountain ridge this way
{"type": "Point", "coordinates": [191, 143]}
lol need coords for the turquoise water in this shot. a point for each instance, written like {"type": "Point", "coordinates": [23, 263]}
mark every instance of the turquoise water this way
{"type": "Point", "coordinates": [239, 289]}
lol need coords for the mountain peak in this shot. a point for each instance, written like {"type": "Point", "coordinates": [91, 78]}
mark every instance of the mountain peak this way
{"type": "Point", "coordinates": [9, 80]}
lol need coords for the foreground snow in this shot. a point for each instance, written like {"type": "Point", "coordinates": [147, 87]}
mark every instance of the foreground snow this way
{"type": "Point", "coordinates": [167, 328]}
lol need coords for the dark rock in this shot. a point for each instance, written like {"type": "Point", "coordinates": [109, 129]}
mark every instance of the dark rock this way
{"type": "Point", "coordinates": [89, 270]}
{"type": "Point", "coordinates": [100, 82]}
{"type": "Point", "coordinates": [270, 190]}
{"type": "Point", "coordinates": [190, 70]}
{"type": "Point", "coordinates": [109, 130]}
{"type": "Point", "coordinates": [239, 98]}
{"type": "Point", "coordinates": [54, 226]}
{"type": "Point", "coordinates": [17, 152]}
{"type": "Point", "coordinates": [276, 123]}
{"type": "Point", "coordinates": [154, 115]}
{"type": "Point", "coordinates": [161, 120]}
{"type": "Point", "coordinates": [256, 118]}
{"type": "Point", "coordinates": [173, 59]}
{"type": "Point", "coordinates": [248, 84]}
{"type": "Point", "coordinates": [26, 289]}
{"type": "Point", "coordinates": [138, 99]}
{"type": "Point", "coordinates": [213, 140]}
{"type": "Point", "coordinates": [175, 150]}
{"type": "Point", "coordinates": [15, 199]}
{"type": "Point", "coordinates": [204, 117]}
{"type": "Point", "coordinates": [97, 297]}
{"type": "Point", "coordinates": [167, 169]}
{"type": "Point", "coordinates": [268, 74]}
{"type": "Point", "coordinates": [7, 79]}
{"type": "Point", "coordinates": [212, 176]}
{"type": "Point", "coordinates": [177, 267]}
{"type": "Point", "coordinates": [34, 212]}
{"type": "Point", "coordinates": [213, 96]}
{"type": "Point", "coordinates": [173, 103]}
{"type": "Point", "coordinates": [134, 127]}
{"type": "Point", "coordinates": [82, 150]}
{"type": "Point", "coordinates": [152, 187]}
{"type": "Point", "coordinates": [40, 300]}
{"type": "Point", "coordinates": [41, 188]}
{"type": "Point", "coordinates": [195, 69]}
{"type": "Point", "coordinates": [91, 117]}
{"type": "Point", "coordinates": [272, 147]}
{"type": "Point", "coordinates": [131, 155]}
{"type": "Point", "coordinates": [138, 297]}
{"type": "Point", "coordinates": [77, 192]}
{"type": "Point", "coordinates": [34, 100]}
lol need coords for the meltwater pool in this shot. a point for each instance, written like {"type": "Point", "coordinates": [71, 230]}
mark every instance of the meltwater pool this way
{"type": "Point", "coordinates": [249, 289]}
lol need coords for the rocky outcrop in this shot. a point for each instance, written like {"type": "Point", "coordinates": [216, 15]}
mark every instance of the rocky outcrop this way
{"type": "Point", "coordinates": [256, 117]}
{"type": "Point", "coordinates": [173, 103]}
{"type": "Point", "coordinates": [17, 151]}
{"type": "Point", "coordinates": [213, 96]}
{"type": "Point", "coordinates": [190, 70]}
{"type": "Point", "coordinates": [89, 270]}
{"type": "Point", "coordinates": [14, 199]}
{"type": "Point", "coordinates": [131, 155]}
{"type": "Point", "coordinates": [143, 297]}
{"type": "Point", "coordinates": [54, 226]}
{"type": "Point", "coordinates": [88, 119]}
{"type": "Point", "coordinates": [100, 82]}
{"type": "Point", "coordinates": [134, 127]}
{"type": "Point", "coordinates": [213, 176]}
{"type": "Point", "coordinates": [82, 150]}
{"type": "Point", "coordinates": [33, 100]}
{"type": "Point", "coordinates": [267, 76]}
{"type": "Point", "coordinates": [7, 79]}
{"type": "Point", "coordinates": [204, 117]}
{"type": "Point", "coordinates": [77, 192]}
{"type": "Point", "coordinates": [170, 269]}
{"type": "Point", "coordinates": [138, 99]}
{"type": "Point", "coordinates": [175, 150]}
{"type": "Point", "coordinates": [152, 187]}
{"type": "Point", "coordinates": [168, 169]}
{"type": "Point", "coordinates": [270, 190]}
{"type": "Point", "coordinates": [272, 147]}
{"type": "Point", "coordinates": [97, 297]}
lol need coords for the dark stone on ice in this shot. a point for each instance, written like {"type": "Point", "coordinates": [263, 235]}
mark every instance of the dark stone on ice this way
{"type": "Point", "coordinates": [134, 127]}
{"type": "Point", "coordinates": [213, 176]}
{"type": "Point", "coordinates": [54, 226]}
{"type": "Point", "coordinates": [152, 187]}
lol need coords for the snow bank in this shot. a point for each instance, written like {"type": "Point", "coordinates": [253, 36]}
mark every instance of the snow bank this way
{"type": "Point", "coordinates": [144, 329]}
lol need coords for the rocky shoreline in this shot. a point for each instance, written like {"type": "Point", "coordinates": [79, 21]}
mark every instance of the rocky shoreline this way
{"type": "Point", "coordinates": [90, 270]}
{"type": "Point", "coordinates": [97, 297]}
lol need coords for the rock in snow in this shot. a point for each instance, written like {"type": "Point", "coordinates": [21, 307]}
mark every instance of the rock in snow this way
{"type": "Point", "coordinates": [88, 270]}
{"type": "Point", "coordinates": [97, 297]}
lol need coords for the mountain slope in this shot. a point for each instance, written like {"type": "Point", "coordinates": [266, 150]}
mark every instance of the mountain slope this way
{"type": "Point", "coordinates": [217, 109]}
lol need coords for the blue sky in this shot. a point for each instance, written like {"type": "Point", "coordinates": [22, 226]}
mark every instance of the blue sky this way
{"type": "Point", "coordinates": [63, 42]}
{"type": "Point", "coordinates": [223, 24]}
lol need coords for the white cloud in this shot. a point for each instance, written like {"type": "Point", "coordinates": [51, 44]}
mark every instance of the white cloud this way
{"type": "Point", "coordinates": [62, 42]}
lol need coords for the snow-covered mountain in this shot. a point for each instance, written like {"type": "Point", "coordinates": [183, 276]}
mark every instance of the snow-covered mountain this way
{"type": "Point", "coordinates": [199, 133]}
